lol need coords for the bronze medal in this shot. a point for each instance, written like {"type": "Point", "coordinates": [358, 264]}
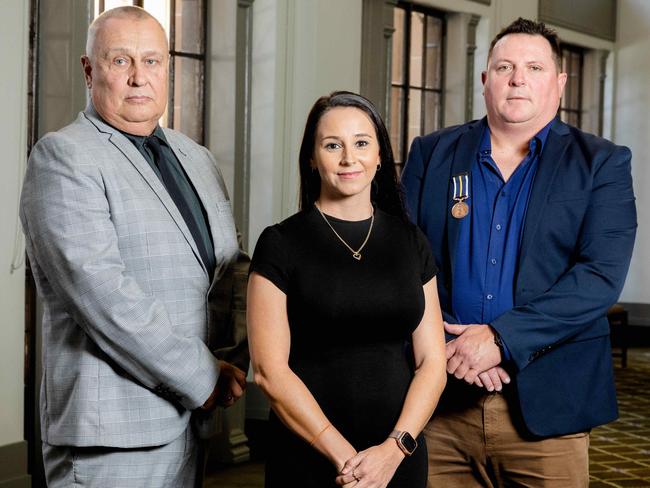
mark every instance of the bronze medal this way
{"type": "Point", "coordinates": [459, 210]}
{"type": "Point", "coordinates": [461, 193]}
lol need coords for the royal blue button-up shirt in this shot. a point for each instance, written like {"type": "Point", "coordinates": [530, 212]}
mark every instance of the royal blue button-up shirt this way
{"type": "Point", "coordinates": [487, 251]}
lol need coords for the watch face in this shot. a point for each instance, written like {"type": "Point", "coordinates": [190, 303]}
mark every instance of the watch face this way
{"type": "Point", "coordinates": [408, 442]}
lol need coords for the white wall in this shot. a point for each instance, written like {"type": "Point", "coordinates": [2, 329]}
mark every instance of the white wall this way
{"type": "Point", "coordinates": [14, 30]}
{"type": "Point", "coordinates": [301, 50]}
{"type": "Point", "coordinates": [220, 92]}
{"type": "Point", "coordinates": [267, 117]}
{"type": "Point", "coordinates": [631, 127]}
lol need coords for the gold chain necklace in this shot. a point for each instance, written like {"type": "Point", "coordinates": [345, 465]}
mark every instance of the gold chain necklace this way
{"type": "Point", "coordinates": [355, 254]}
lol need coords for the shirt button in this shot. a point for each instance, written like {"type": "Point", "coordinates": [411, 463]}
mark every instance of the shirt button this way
{"type": "Point", "coordinates": [498, 226]}
{"type": "Point", "coordinates": [493, 261]}
{"type": "Point", "coordinates": [489, 297]}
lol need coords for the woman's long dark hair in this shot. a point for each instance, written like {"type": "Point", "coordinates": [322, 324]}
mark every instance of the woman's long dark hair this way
{"type": "Point", "coordinates": [386, 191]}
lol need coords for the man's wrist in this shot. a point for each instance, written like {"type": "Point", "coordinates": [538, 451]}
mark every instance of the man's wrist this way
{"type": "Point", "coordinates": [210, 403]}
{"type": "Point", "coordinates": [503, 349]}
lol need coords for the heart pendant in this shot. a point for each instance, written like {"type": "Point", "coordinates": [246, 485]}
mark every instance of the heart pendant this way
{"type": "Point", "coordinates": [357, 256]}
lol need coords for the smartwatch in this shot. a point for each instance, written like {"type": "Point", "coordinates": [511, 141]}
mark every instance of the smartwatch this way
{"type": "Point", "coordinates": [404, 441]}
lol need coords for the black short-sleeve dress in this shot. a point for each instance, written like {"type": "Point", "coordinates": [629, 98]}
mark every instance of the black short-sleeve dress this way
{"type": "Point", "coordinates": [350, 322]}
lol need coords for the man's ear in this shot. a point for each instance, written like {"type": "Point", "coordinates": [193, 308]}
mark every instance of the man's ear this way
{"type": "Point", "coordinates": [88, 70]}
{"type": "Point", "coordinates": [561, 82]}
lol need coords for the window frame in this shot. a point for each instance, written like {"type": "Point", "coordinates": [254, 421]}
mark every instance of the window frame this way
{"type": "Point", "coordinates": [564, 110]}
{"type": "Point", "coordinates": [405, 86]}
{"type": "Point", "coordinates": [174, 54]}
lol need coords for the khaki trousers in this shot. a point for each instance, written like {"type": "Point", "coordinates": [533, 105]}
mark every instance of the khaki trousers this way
{"type": "Point", "coordinates": [480, 446]}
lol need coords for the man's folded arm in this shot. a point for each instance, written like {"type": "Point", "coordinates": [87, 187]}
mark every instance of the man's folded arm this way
{"type": "Point", "coordinates": [594, 282]}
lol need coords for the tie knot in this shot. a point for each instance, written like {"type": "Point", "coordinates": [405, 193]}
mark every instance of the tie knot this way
{"type": "Point", "coordinates": [153, 141]}
{"type": "Point", "coordinates": [154, 144]}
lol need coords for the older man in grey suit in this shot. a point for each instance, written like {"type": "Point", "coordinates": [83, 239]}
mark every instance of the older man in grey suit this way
{"type": "Point", "coordinates": [128, 228]}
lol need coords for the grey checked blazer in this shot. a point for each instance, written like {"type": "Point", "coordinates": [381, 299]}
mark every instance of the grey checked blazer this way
{"type": "Point", "coordinates": [124, 291]}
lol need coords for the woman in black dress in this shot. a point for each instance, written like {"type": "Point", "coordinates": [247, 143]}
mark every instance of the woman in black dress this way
{"type": "Point", "coordinates": [345, 328]}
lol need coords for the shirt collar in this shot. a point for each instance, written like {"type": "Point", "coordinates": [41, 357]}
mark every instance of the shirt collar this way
{"type": "Point", "coordinates": [139, 141]}
{"type": "Point", "coordinates": [535, 145]}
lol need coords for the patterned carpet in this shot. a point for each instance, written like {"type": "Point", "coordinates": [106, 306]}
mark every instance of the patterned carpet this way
{"type": "Point", "coordinates": [619, 453]}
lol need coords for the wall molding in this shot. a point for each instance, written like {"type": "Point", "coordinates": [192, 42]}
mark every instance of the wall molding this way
{"type": "Point", "coordinates": [593, 17]}
{"type": "Point", "coordinates": [243, 117]}
{"type": "Point", "coordinates": [472, 24]}
{"type": "Point", "coordinates": [376, 53]}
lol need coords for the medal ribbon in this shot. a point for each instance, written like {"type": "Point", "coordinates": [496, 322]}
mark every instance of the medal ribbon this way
{"type": "Point", "coordinates": [461, 187]}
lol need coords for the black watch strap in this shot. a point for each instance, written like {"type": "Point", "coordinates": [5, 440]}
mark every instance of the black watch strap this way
{"type": "Point", "coordinates": [497, 340]}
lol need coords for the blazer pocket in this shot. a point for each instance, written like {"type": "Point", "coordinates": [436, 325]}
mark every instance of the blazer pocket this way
{"type": "Point", "coordinates": [568, 196]}
{"type": "Point", "coordinates": [226, 222]}
{"type": "Point", "coordinates": [224, 206]}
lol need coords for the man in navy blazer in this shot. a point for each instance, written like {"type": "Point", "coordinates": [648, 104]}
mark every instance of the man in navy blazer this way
{"type": "Point", "coordinates": [532, 223]}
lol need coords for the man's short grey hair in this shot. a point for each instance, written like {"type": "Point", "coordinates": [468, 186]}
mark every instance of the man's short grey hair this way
{"type": "Point", "coordinates": [128, 12]}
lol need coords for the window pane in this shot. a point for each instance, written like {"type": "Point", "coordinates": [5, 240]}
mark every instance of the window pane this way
{"type": "Point", "coordinates": [575, 81]}
{"type": "Point", "coordinates": [109, 4]}
{"type": "Point", "coordinates": [572, 59]}
{"type": "Point", "coordinates": [414, 117]}
{"type": "Point", "coordinates": [398, 47]}
{"type": "Point", "coordinates": [188, 97]}
{"type": "Point", "coordinates": [417, 39]}
{"type": "Point", "coordinates": [431, 111]}
{"type": "Point", "coordinates": [160, 10]}
{"type": "Point", "coordinates": [189, 26]}
{"type": "Point", "coordinates": [396, 101]}
{"type": "Point", "coordinates": [417, 60]}
{"type": "Point", "coordinates": [433, 50]}
{"type": "Point", "coordinates": [574, 98]}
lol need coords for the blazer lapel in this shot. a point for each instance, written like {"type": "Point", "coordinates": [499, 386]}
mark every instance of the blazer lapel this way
{"type": "Point", "coordinates": [142, 166]}
{"type": "Point", "coordinates": [206, 195]}
{"type": "Point", "coordinates": [464, 157]}
{"type": "Point", "coordinates": [553, 152]}
{"type": "Point", "coordinates": [212, 192]}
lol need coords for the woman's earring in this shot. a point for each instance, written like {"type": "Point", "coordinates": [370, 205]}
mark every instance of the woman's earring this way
{"type": "Point", "coordinates": [379, 166]}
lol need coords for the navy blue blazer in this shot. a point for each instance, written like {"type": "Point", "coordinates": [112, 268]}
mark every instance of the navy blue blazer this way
{"type": "Point", "coordinates": [575, 252]}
